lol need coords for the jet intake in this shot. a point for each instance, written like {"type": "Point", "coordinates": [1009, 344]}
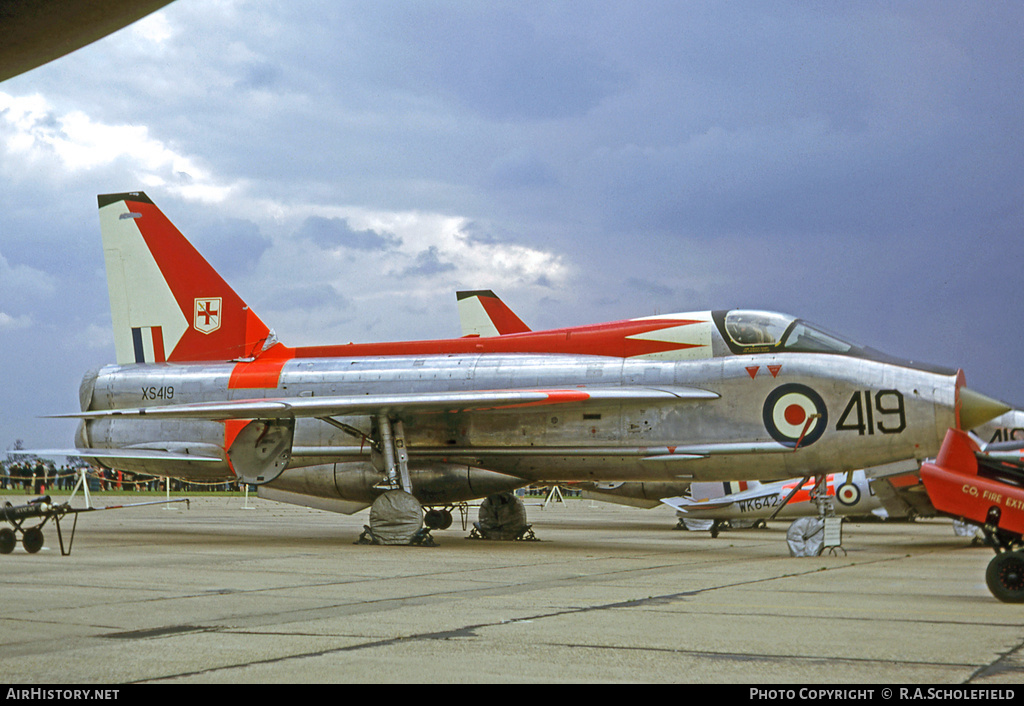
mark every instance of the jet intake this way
{"type": "Point", "coordinates": [82, 436]}
{"type": "Point", "coordinates": [87, 389]}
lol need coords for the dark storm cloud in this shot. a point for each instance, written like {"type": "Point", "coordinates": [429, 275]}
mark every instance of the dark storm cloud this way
{"type": "Point", "coordinates": [428, 262]}
{"type": "Point", "coordinates": [856, 164]}
{"type": "Point", "coordinates": [521, 62]}
{"type": "Point", "coordinates": [232, 245]}
{"type": "Point", "coordinates": [521, 170]}
{"type": "Point", "coordinates": [301, 296]}
{"type": "Point", "coordinates": [537, 74]}
{"type": "Point", "coordinates": [650, 290]}
{"type": "Point", "coordinates": [337, 233]}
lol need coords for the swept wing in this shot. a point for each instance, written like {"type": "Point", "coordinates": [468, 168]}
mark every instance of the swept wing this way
{"type": "Point", "coordinates": [419, 402]}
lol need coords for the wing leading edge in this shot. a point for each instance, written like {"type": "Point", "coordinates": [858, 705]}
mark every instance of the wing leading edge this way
{"type": "Point", "coordinates": [417, 402]}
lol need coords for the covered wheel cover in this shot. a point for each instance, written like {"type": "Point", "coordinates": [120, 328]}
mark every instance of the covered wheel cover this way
{"type": "Point", "coordinates": [502, 516]}
{"type": "Point", "coordinates": [1005, 577]}
{"type": "Point", "coordinates": [395, 518]}
{"type": "Point", "coordinates": [806, 536]}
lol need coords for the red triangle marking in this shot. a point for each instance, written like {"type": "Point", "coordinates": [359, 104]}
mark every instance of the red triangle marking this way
{"type": "Point", "coordinates": [752, 370]}
{"type": "Point", "coordinates": [774, 370]}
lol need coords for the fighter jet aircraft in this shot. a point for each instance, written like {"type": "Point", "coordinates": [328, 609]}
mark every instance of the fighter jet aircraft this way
{"type": "Point", "coordinates": [203, 390]}
{"type": "Point", "coordinates": [894, 489]}
{"type": "Point", "coordinates": [851, 493]}
{"type": "Point", "coordinates": [1006, 430]}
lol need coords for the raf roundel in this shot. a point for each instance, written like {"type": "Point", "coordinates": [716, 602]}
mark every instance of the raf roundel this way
{"type": "Point", "coordinates": [848, 494]}
{"type": "Point", "coordinates": [794, 415]}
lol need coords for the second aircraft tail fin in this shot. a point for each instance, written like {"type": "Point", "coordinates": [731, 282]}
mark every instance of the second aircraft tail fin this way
{"type": "Point", "coordinates": [167, 303]}
{"type": "Point", "coordinates": [482, 313]}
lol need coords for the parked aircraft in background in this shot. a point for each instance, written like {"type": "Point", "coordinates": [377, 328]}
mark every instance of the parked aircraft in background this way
{"type": "Point", "coordinates": [894, 491]}
{"type": "Point", "coordinates": [203, 390]}
{"type": "Point", "coordinates": [851, 494]}
{"type": "Point", "coordinates": [1003, 435]}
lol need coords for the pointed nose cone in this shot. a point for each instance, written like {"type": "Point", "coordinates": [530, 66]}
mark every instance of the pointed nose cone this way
{"type": "Point", "coordinates": [974, 409]}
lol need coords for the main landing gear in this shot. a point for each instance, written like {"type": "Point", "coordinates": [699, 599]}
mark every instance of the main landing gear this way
{"type": "Point", "coordinates": [503, 517]}
{"type": "Point", "coordinates": [398, 517]}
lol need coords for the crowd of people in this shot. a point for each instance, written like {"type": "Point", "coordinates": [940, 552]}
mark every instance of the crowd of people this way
{"type": "Point", "coordinates": [40, 477]}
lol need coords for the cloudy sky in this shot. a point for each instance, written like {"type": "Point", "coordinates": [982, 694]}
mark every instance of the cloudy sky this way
{"type": "Point", "coordinates": [349, 165]}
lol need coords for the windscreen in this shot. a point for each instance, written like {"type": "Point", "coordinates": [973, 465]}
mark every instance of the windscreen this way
{"type": "Point", "coordinates": [804, 338]}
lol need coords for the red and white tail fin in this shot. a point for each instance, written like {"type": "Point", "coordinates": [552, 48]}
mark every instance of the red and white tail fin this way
{"type": "Point", "coordinates": [708, 490]}
{"type": "Point", "coordinates": [166, 301]}
{"type": "Point", "coordinates": [482, 313]}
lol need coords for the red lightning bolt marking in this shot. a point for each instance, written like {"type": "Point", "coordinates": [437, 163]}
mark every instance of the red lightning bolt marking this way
{"type": "Point", "coordinates": [807, 426]}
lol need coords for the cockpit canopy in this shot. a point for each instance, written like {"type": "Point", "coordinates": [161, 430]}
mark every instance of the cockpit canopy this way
{"type": "Point", "coordinates": [750, 331]}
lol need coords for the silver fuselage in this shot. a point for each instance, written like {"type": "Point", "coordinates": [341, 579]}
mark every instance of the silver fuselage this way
{"type": "Point", "coordinates": [876, 412]}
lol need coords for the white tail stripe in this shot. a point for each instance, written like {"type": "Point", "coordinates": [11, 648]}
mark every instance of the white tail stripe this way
{"type": "Point", "coordinates": [148, 344]}
{"type": "Point", "coordinates": [139, 295]}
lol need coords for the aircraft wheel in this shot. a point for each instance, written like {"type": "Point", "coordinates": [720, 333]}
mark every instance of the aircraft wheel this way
{"type": "Point", "coordinates": [437, 519]}
{"type": "Point", "coordinates": [33, 540]}
{"type": "Point", "coordinates": [7, 540]}
{"type": "Point", "coordinates": [1005, 577]}
{"type": "Point", "coordinates": [502, 517]}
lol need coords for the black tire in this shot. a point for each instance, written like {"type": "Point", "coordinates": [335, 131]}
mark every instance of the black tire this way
{"type": "Point", "coordinates": [33, 540]}
{"type": "Point", "coordinates": [7, 540]}
{"type": "Point", "coordinates": [437, 519]}
{"type": "Point", "coordinates": [1005, 577]}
